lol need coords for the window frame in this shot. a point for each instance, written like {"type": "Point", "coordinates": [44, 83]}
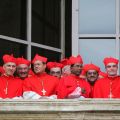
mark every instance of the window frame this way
{"type": "Point", "coordinates": [76, 36]}
{"type": "Point", "coordinates": [29, 42]}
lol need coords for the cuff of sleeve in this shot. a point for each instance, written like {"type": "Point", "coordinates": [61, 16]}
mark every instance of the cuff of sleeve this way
{"type": "Point", "coordinates": [53, 97]}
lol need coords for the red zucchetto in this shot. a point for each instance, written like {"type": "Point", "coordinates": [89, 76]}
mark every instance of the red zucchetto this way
{"type": "Point", "coordinates": [40, 58]}
{"type": "Point", "coordinates": [23, 61]}
{"type": "Point", "coordinates": [108, 60]}
{"type": "Point", "coordinates": [65, 62]}
{"type": "Point", "coordinates": [88, 67]}
{"type": "Point", "coordinates": [74, 60]}
{"type": "Point", "coordinates": [9, 58]}
{"type": "Point", "coordinates": [54, 65]}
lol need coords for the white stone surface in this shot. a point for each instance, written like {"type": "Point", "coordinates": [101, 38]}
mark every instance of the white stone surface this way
{"type": "Point", "coordinates": [86, 109]}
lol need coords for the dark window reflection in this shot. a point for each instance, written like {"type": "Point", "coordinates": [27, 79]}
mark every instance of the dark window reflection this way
{"type": "Point", "coordinates": [8, 47]}
{"type": "Point", "coordinates": [13, 18]}
{"type": "Point", "coordinates": [68, 27]}
{"type": "Point", "coordinates": [51, 55]}
{"type": "Point", "coordinates": [46, 22]}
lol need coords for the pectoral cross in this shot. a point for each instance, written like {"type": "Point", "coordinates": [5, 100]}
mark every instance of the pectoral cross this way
{"type": "Point", "coordinates": [110, 95]}
{"type": "Point", "coordinates": [6, 91]}
{"type": "Point", "coordinates": [43, 91]}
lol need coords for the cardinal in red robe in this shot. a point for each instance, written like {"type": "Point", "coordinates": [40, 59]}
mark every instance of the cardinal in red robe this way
{"type": "Point", "coordinates": [10, 87]}
{"type": "Point", "coordinates": [108, 87]}
{"type": "Point", "coordinates": [91, 73]}
{"type": "Point", "coordinates": [41, 85]}
{"type": "Point", "coordinates": [72, 86]}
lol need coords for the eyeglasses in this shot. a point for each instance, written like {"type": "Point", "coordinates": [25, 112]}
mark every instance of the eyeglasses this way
{"type": "Point", "coordinates": [57, 72]}
{"type": "Point", "coordinates": [90, 73]}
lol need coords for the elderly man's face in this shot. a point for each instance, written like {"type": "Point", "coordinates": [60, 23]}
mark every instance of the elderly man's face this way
{"type": "Point", "coordinates": [22, 71]}
{"type": "Point", "coordinates": [111, 69]}
{"type": "Point", "coordinates": [92, 76]}
{"type": "Point", "coordinates": [66, 70]}
{"type": "Point", "coordinates": [76, 69]}
{"type": "Point", "coordinates": [9, 68]}
{"type": "Point", "coordinates": [55, 72]}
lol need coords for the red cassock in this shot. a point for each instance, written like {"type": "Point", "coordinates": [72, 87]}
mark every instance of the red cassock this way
{"type": "Point", "coordinates": [10, 87]}
{"type": "Point", "coordinates": [108, 87]}
{"type": "Point", "coordinates": [91, 92]}
{"type": "Point", "coordinates": [37, 83]}
{"type": "Point", "coordinates": [69, 83]}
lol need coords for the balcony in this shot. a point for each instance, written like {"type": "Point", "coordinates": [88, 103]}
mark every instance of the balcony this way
{"type": "Point", "coordinates": [43, 109]}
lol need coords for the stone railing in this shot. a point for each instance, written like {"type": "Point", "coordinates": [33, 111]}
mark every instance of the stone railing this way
{"type": "Point", "coordinates": [87, 109]}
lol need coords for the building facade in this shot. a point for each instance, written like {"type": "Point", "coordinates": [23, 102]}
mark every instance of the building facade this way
{"type": "Point", "coordinates": [60, 28]}
{"type": "Point", "coordinates": [32, 26]}
{"type": "Point", "coordinates": [96, 29]}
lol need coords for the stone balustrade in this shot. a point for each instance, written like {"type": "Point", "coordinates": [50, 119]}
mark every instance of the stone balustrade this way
{"type": "Point", "coordinates": [67, 109]}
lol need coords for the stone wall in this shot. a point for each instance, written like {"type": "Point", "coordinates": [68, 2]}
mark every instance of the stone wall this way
{"type": "Point", "coordinates": [87, 109]}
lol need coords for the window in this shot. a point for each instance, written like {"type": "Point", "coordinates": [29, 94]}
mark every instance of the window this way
{"type": "Point", "coordinates": [8, 47]}
{"type": "Point", "coordinates": [46, 22]}
{"type": "Point", "coordinates": [94, 50]}
{"type": "Point", "coordinates": [51, 55]}
{"type": "Point", "coordinates": [32, 26]}
{"type": "Point", "coordinates": [96, 17]}
{"type": "Point", "coordinates": [13, 18]}
{"type": "Point", "coordinates": [95, 30]}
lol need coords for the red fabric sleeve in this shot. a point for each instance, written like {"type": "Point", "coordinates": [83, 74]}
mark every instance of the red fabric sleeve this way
{"type": "Point", "coordinates": [87, 88]}
{"type": "Point", "coordinates": [97, 90]}
{"type": "Point", "coordinates": [61, 90]}
{"type": "Point", "coordinates": [26, 85]}
{"type": "Point", "coordinates": [20, 89]}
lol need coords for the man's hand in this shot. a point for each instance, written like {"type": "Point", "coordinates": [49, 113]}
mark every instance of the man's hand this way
{"type": "Point", "coordinates": [75, 94]}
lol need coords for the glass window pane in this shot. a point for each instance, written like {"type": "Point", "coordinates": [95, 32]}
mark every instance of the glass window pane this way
{"type": "Point", "coordinates": [13, 18]}
{"type": "Point", "coordinates": [51, 55]}
{"type": "Point", "coordinates": [18, 50]}
{"type": "Point", "coordinates": [119, 17]}
{"type": "Point", "coordinates": [95, 50]}
{"type": "Point", "coordinates": [46, 22]}
{"type": "Point", "coordinates": [97, 16]}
